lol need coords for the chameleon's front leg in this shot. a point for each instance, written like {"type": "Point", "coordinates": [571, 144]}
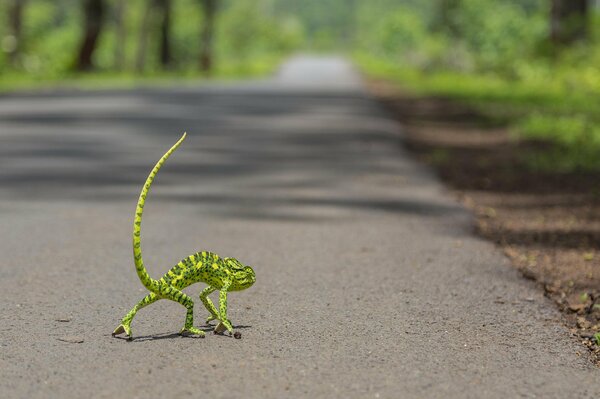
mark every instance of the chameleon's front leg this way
{"type": "Point", "coordinates": [225, 323]}
{"type": "Point", "coordinates": [208, 303]}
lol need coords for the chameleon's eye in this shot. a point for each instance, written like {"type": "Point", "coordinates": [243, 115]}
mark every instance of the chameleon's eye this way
{"type": "Point", "coordinates": [235, 264]}
{"type": "Point", "coordinates": [240, 275]}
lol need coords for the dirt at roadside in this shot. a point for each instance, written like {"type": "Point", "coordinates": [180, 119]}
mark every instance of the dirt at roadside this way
{"type": "Point", "coordinates": [548, 224]}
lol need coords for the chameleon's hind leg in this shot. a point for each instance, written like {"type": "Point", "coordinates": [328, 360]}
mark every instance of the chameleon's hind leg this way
{"type": "Point", "coordinates": [208, 303]}
{"type": "Point", "coordinates": [172, 293]}
{"type": "Point", "coordinates": [125, 326]}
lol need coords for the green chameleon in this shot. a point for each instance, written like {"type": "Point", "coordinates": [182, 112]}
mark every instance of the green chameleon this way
{"type": "Point", "coordinates": [223, 274]}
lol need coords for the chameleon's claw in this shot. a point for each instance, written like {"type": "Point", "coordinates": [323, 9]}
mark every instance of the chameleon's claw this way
{"type": "Point", "coordinates": [123, 328]}
{"type": "Point", "coordinates": [224, 326]}
{"type": "Point", "coordinates": [191, 332]}
{"type": "Point", "coordinates": [211, 318]}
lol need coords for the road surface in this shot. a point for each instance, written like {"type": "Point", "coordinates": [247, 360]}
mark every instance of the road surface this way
{"type": "Point", "coordinates": [369, 281]}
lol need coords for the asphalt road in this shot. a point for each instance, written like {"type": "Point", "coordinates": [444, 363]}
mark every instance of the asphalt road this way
{"type": "Point", "coordinates": [369, 281]}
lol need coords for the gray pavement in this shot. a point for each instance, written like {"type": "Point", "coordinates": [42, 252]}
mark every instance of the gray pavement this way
{"type": "Point", "coordinates": [369, 281]}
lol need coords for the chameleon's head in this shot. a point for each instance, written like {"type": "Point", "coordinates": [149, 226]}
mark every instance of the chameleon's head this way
{"type": "Point", "coordinates": [243, 276]}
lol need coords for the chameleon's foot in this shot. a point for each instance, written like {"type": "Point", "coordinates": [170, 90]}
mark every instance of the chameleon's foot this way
{"type": "Point", "coordinates": [192, 332]}
{"type": "Point", "coordinates": [211, 318]}
{"type": "Point", "coordinates": [123, 328]}
{"type": "Point", "coordinates": [223, 326]}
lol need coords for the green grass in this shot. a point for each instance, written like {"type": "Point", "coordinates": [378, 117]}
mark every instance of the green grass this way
{"type": "Point", "coordinates": [255, 67]}
{"type": "Point", "coordinates": [555, 108]}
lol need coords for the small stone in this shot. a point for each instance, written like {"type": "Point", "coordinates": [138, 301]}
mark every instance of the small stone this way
{"type": "Point", "coordinates": [550, 289]}
{"type": "Point", "coordinates": [587, 334]}
{"type": "Point", "coordinates": [237, 335]}
{"type": "Point", "coordinates": [488, 212]}
{"type": "Point", "coordinates": [528, 274]}
{"type": "Point", "coordinates": [71, 339]}
{"type": "Point", "coordinates": [577, 307]}
{"type": "Point", "coordinates": [583, 323]}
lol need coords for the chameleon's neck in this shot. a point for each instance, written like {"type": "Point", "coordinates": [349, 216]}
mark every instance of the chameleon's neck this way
{"type": "Point", "coordinates": [142, 273]}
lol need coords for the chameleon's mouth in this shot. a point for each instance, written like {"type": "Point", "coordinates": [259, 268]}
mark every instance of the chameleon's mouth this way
{"type": "Point", "coordinates": [249, 281]}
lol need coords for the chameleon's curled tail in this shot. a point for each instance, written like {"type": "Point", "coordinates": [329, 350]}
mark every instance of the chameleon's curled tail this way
{"type": "Point", "coordinates": [148, 282]}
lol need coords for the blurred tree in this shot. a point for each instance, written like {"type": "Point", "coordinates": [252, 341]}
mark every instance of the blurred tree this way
{"type": "Point", "coordinates": [156, 12]}
{"type": "Point", "coordinates": [242, 22]}
{"type": "Point", "coordinates": [164, 7]}
{"type": "Point", "coordinates": [121, 33]}
{"type": "Point", "coordinates": [349, 28]}
{"type": "Point", "coordinates": [568, 21]}
{"type": "Point", "coordinates": [447, 18]}
{"type": "Point", "coordinates": [93, 11]}
{"type": "Point", "coordinates": [209, 8]}
{"type": "Point", "coordinates": [140, 58]}
{"type": "Point", "coordinates": [15, 23]}
{"type": "Point", "coordinates": [328, 23]}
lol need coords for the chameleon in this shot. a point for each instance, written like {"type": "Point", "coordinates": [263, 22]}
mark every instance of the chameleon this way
{"type": "Point", "coordinates": [223, 274]}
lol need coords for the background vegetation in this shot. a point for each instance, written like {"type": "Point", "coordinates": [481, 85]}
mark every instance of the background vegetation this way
{"type": "Point", "coordinates": [58, 39]}
{"type": "Point", "coordinates": [531, 64]}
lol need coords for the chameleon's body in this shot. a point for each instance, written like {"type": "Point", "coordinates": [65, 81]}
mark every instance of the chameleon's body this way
{"type": "Point", "coordinates": [223, 274]}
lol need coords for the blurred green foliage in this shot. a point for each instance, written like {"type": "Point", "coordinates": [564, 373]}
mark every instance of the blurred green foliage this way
{"type": "Point", "coordinates": [250, 39]}
{"type": "Point", "coordinates": [251, 28]}
{"type": "Point", "coordinates": [546, 110]}
{"type": "Point", "coordinates": [508, 38]}
{"type": "Point", "coordinates": [495, 55]}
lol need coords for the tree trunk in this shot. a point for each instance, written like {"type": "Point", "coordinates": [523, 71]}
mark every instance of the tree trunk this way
{"type": "Point", "coordinates": [93, 21]}
{"type": "Point", "coordinates": [568, 21]}
{"type": "Point", "coordinates": [165, 32]}
{"type": "Point", "coordinates": [15, 23]}
{"type": "Point", "coordinates": [349, 28]}
{"type": "Point", "coordinates": [206, 46]}
{"type": "Point", "coordinates": [140, 59]}
{"type": "Point", "coordinates": [446, 20]}
{"type": "Point", "coordinates": [119, 62]}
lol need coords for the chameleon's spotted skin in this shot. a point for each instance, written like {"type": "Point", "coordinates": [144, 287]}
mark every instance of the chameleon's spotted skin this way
{"type": "Point", "coordinates": [223, 274]}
